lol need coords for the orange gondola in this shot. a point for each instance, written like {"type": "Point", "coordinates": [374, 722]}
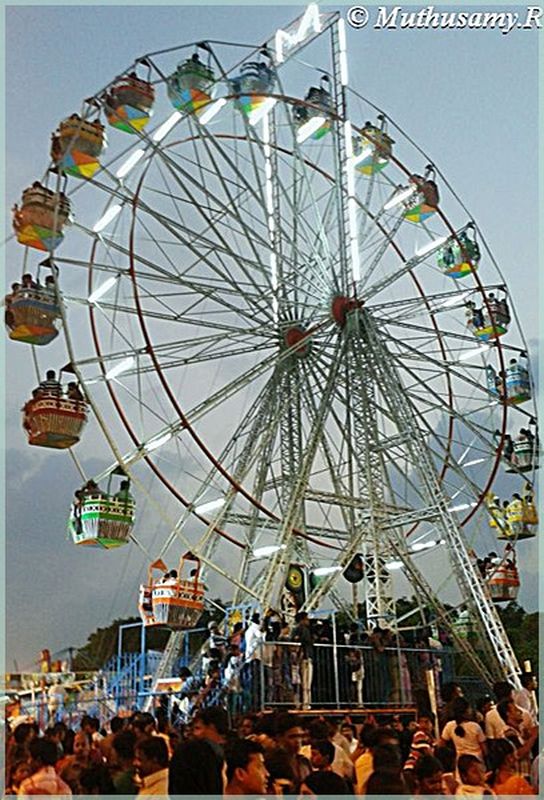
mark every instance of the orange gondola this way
{"type": "Point", "coordinates": [173, 601]}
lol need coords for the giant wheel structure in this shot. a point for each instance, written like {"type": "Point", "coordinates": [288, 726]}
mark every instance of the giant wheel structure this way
{"type": "Point", "coordinates": [257, 302]}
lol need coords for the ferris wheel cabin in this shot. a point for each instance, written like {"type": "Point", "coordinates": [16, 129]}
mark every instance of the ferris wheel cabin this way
{"type": "Point", "coordinates": [76, 146]}
{"type": "Point", "coordinates": [41, 218]}
{"type": "Point", "coordinates": [251, 87]}
{"type": "Point", "coordinates": [128, 104]}
{"type": "Point", "coordinates": [189, 87]}
{"type": "Point", "coordinates": [314, 114]}
{"type": "Point", "coordinates": [33, 315]}
{"type": "Point", "coordinates": [504, 583]}
{"type": "Point", "coordinates": [423, 203]}
{"type": "Point", "coordinates": [173, 601]}
{"type": "Point", "coordinates": [372, 150]}
{"type": "Point", "coordinates": [102, 519]}
{"type": "Point", "coordinates": [53, 421]}
{"type": "Point", "coordinates": [459, 257]}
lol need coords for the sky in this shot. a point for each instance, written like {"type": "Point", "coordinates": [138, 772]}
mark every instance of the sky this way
{"type": "Point", "coordinates": [468, 97]}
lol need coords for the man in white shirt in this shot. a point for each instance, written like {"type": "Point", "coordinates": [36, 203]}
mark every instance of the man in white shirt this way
{"type": "Point", "coordinates": [494, 724]}
{"type": "Point", "coordinates": [251, 677]}
{"type": "Point", "coordinates": [525, 697]}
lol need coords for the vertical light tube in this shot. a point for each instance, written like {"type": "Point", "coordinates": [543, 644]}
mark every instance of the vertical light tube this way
{"type": "Point", "coordinates": [271, 222]}
{"type": "Point", "coordinates": [352, 204]}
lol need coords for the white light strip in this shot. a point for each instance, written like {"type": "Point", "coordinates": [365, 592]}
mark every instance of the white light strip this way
{"type": "Point", "coordinates": [348, 138]}
{"type": "Point", "coordinates": [211, 111]}
{"type": "Point", "coordinates": [321, 571]}
{"type": "Point", "coordinates": [476, 352]}
{"type": "Point", "coordinates": [453, 301]}
{"type": "Point", "coordinates": [352, 204]}
{"type": "Point", "coordinates": [166, 127]}
{"type": "Point", "coordinates": [268, 550]}
{"type": "Point", "coordinates": [462, 507]}
{"type": "Point", "coordinates": [211, 506]}
{"type": "Point", "coordinates": [123, 366]}
{"type": "Point", "coordinates": [269, 195]}
{"type": "Point", "coordinates": [261, 112]}
{"type": "Point", "coordinates": [394, 565]}
{"type": "Point", "coordinates": [105, 287]}
{"type": "Point", "coordinates": [476, 461]}
{"type": "Point", "coordinates": [362, 155]}
{"type": "Point", "coordinates": [415, 548]}
{"type": "Point", "coordinates": [342, 52]}
{"type": "Point", "coordinates": [306, 130]}
{"type": "Point", "coordinates": [430, 246]}
{"type": "Point", "coordinates": [107, 217]}
{"type": "Point", "coordinates": [130, 163]}
{"type": "Point", "coordinates": [154, 444]}
{"type": "Point", "coordinates": [400, 197]}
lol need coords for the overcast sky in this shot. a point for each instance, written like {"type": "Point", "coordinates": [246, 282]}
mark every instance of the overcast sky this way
{"type": "Point", "coordinates": [469, 98]}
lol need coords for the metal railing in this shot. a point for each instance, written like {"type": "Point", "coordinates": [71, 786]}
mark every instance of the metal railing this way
{"type": "Point", "coordinates": [340, 676]}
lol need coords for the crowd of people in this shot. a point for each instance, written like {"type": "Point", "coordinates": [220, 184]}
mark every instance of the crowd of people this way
{"type": "Point", "coordinates": [490, 749]}
{"type": "Point", "coordinates": [268, 661]}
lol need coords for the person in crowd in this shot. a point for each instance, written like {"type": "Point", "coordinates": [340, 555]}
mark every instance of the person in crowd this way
{"type": "Point", "coordinates": [386, 782]}
{"type": "Point", "coordinates": [22, 736]}
{"type": "Point", "coordinates": [211, 725]}
{"type": "Point", "coordinates": [364, 766]}
{"type": "Point", "coordinates": [287, 755]}
{"type": "Point", "coordinates": [83, 756]}
{"type": "Point", "coordinates": [349, 733]}
{"type": "Point", "coordinates": [303, 634]}
{"type": "Point", "coordinates": [341, 763]}
{"type": "Point", "coordinates": [17, 771]}
{"type": "Point", "coordinates": [422, 744]}
{"type": "Point", "coordinates": [465, 734]}
{"type": "Point", "coordinates": [251, 671]}
{"type": "Point", "coordinates": [336, 736]}
{"type": "Point", "coordinates": [96, 780]}
{"type": "Point", "coordinates": [121, 761]}
{"type": "Point", "coordinates": [151, 763]}
{"type": "Point", "coordinates": [449, 693]}
{"type": "Point", "coordinates": [196, 768]}
{"type": "Point", "coordinates": [494, 724]}
{"type": "Point", "coordinates": [246, 770]}
{"type": "Point", "coordinates": [446, 756]}
{"type": "Point", "coordinates": [524, 698]}
{"type": "Point", "coordinates": [505, 779]}
{"type": "Point", "coordinates": [143, 724]}
{"type": "Point", "coordinates": [482, 706]}
{"type": "Point", "coordinates": [246, 728]}
{"type": "Point", "coordinates": [43, 779]}
{"type": "Point", "coordinates": [522, 738]}
{"type": "Point", "coordinates": [473, 780]}
{"type": "Point", "coordinates": [116, 724]}
{"type": "Point", "coordinates": [323, 753]}
{"type": "Point", "coordinates": [362, 757]}
{"type": "Point", "coordinates": [428, 776]}
{"type": "Point", "coordinates": [323, 780]}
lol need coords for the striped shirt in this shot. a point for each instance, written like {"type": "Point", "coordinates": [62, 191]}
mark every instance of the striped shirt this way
{"type": "Point", "coordinates": [44, 781]}
{"type": "Point", "coordinates": [421, 744]}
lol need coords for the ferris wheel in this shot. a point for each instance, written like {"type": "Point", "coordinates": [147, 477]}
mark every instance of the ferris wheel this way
{"type": "Point", "coordinates": [275, 307]}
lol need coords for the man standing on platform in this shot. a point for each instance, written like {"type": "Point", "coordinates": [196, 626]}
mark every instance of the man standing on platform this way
{"type": "Point", "coordinates": [303, 635]}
